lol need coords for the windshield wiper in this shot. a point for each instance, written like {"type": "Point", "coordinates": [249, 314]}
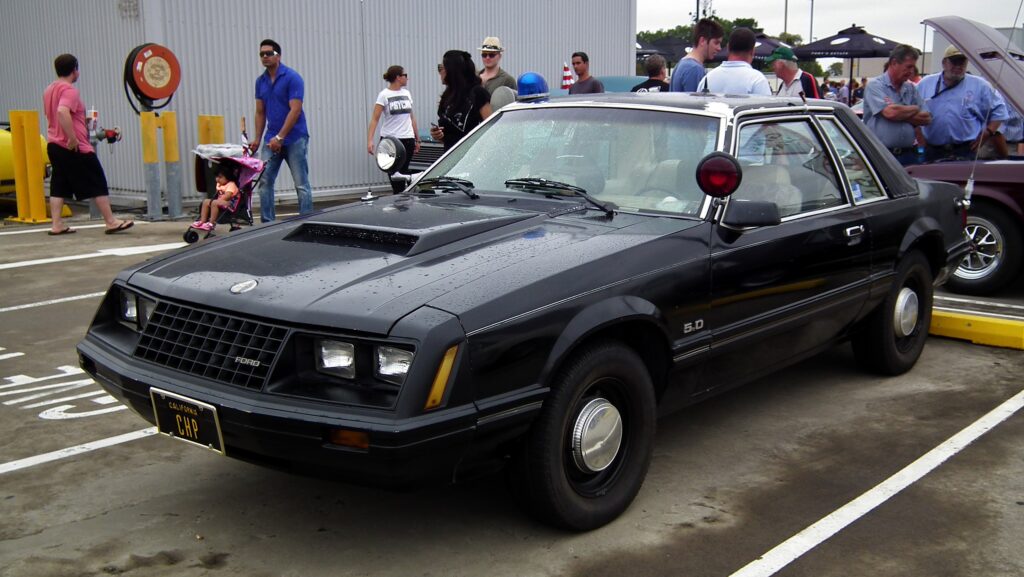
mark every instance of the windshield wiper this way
{"type": "Point", "coordinates": [545, 184]}
{"type": "Point", "coordinates": [449, 182]}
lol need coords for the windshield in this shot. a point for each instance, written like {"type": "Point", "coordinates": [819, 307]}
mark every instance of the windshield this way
{"type": "Point", "coordinates": [637, 160]}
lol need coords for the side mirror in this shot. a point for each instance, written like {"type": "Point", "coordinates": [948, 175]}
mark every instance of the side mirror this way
{"type": "Point", "coordinates": [719, 174]}
{"type": "Point", "coordinates": [750, 213]}
{"type": "Point", "coordinates": [390, 154]}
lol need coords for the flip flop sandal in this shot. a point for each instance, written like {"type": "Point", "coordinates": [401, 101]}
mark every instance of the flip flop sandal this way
{"type": "Point", "coordinates": [125, 225]}
{"type": "Point", "coordinates": [67, 230]}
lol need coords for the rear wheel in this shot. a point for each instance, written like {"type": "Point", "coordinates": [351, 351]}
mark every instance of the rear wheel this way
{"type": "Point", "coordinates": [893, 336]}
{"type": "Point", "coordinates": [996, 252]}
{"type": "Point", "coordinates": [588, 453]}
{"type": "Point", "coordinates": [190, 236]}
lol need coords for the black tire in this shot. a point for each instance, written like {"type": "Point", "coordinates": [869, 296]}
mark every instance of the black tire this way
{"type": "Point", "coordinates": [557, 483]}
{"type": "Point", "coordinates": [885, 346]}
{"type": "Point", "coordinates": [190, 236]}
{"type": "Point", "coordinates": [996, 253]}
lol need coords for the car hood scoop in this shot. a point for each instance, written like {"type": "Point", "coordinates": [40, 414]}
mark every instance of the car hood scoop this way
{"type": "Point", "coordinates": [407, 234]}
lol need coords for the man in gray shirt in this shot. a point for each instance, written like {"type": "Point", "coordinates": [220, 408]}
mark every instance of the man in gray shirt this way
{"type": "Point", "coordinates": [585, 83]}
{"type": "Point", "coordinates": [893, 108]}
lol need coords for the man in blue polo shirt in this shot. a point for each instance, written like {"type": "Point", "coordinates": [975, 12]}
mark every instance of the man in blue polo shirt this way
{"type": "Point", "coordinates": [965, 109]}
{"type": "Point", "coordinates": [893, 107]}
{"type": "Point", "coordinates": [279, 93]}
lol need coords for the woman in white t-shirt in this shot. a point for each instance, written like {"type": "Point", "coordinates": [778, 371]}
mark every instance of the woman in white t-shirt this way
{"type": "Point", "coordinates": [393, 110]}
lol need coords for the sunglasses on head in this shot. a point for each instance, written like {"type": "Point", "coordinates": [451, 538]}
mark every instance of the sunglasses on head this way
{"type": "Point", "coordinates": [268, 53]}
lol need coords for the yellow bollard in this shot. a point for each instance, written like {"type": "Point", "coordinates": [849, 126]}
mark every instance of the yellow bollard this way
{"type": "Point", "coordinates": [211, 129]}
{"type": "Point", "coordinates": [150, 152]}
{"type": "Point", "coordinates": [28, 167]}
{"type": "Point", "coordinates": [169, 124]}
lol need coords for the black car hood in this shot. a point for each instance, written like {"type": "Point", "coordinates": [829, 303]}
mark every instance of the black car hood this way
{"type": "Point", "coordinates": [365, 266]}
{"type": "Point", "coordinates": [994, 57]}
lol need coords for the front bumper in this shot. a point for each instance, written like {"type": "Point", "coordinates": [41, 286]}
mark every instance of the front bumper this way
{"type": "Point", "coordinates": [291, 434]}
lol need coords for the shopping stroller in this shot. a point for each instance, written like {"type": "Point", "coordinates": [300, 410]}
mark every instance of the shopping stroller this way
{"type": "Point", "coordinates": [247, 170]}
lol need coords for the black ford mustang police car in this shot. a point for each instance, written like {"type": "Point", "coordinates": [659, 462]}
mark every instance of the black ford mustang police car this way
{"type": "Point", "coordinates": [566, 274]}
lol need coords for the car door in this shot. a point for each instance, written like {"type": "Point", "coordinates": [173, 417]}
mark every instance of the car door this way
{"type": "Point", "coordinates": [779, 293]}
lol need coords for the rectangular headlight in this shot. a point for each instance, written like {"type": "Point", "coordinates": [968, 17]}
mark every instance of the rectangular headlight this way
{"type": "Point", "coordinates": [128, 309]}
{"type": "Point", "coordinates": [393, 364]}
{"type": "Point", "coordinates": [336, 358]}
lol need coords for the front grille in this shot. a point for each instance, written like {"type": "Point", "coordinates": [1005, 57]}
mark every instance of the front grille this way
{"type": "Point", "coordinates": [220, 347]}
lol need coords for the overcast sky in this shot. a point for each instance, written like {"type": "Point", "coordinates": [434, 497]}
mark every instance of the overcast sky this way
{"type": "Point", "coordinates": [898, 20]}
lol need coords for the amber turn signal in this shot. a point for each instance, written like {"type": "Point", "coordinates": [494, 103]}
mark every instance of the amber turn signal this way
{"type": "Point", "coordinates": [441, 379]}
{"type": "Point", "coordinates": [347, 438]}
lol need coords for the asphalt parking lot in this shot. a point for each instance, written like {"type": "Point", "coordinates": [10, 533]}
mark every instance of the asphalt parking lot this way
{"type": "Point", "coordinates": [866, 463]}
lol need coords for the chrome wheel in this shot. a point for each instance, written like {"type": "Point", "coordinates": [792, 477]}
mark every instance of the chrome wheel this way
{"type": "Point", "coordinates": [597, 436]}
{"type": "Point", "coordinates": [987, 245]}
{"type": "Point", "coordinates": [905, 314]}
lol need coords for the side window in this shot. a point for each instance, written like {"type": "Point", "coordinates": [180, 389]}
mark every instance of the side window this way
{"type": "Point", "coordinates": [863, 183]}
{"type": "Point", "coordinates": [786, 163]}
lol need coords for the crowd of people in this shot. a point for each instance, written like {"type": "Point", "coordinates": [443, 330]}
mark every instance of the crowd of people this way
{"type": "Point", "coordinates": [947, 115]}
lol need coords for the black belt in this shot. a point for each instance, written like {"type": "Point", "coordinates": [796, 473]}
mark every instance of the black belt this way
{"type": "Point", "coordinates": [898, 150]}
{"type": "Point", "coordinates": [951, 147]}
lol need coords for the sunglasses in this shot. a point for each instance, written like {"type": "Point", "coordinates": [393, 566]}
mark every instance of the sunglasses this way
{"type": "Point", "coordinates": [440, 67]}
{"type": "Point", "coordinates": [268, 53]}
{"type": "Point", "coordinates": [489, 55]}
{"type": "Point", "coordinates": [958, 60]}
{"type": "Point", "coordinates": [403, 74]}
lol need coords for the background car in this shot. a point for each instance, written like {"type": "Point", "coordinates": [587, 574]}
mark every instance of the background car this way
{"type": "Point", "coordinates": [563, 276]}
{"type": "Point", "coordinates": [996, 217]}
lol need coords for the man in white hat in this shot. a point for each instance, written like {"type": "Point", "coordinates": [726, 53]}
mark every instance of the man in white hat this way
{"type": "Point", "coordinates": [492, 74]}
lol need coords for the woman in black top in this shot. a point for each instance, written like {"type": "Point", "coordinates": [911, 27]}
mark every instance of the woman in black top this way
{"type": "Point", "coordinates": [465, 103]}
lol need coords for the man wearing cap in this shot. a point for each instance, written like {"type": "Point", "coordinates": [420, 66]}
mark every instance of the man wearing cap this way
{"type": "Point", "coordinates": [893, 107]}
{"type": "Point", "coordinates": [795, 82]}
{"type": "Point", "coordinates": [965, 109]}
{"type": "Point", "coordinates": [736, 75]}
{"type": "Point", "coordinates": [492, 74]}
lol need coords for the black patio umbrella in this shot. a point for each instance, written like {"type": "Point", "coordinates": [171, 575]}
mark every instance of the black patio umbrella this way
{"type": "Point", "coordinates": [853, 42]}
{"type": "Point", "coordinates": [763, 47]}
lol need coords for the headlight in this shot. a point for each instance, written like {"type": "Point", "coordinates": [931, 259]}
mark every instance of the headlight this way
{"type": "Point", "coordinates": [336, 358]}
{"type": "Point", "coordinates": [393, 364]}
{"type": "Point", "coordinates": [134, 310]}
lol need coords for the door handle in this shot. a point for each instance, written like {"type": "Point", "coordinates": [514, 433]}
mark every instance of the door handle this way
{"type": "Point", "coordinates": [855, 231]}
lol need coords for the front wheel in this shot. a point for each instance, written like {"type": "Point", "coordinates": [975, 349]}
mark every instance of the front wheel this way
{"type": "Point", "coordinates": [588, 453]}
{"type": "Point", "coordinates": [893, 335]}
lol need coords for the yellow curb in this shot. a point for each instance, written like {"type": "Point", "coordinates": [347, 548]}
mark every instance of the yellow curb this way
{"type": "Point", "coordinates": [981, 330]}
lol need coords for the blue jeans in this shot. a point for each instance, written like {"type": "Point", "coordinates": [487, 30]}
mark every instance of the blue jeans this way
{"type": "Point", "coordinates": [296, 155]}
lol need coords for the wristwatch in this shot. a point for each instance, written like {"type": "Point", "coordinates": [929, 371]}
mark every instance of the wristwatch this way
{"type": "Point", "coordinates": [278, 138]}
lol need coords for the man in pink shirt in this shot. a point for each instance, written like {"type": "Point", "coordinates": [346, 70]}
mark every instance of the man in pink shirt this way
{"type": "Point", "coordinates": [77, 172]}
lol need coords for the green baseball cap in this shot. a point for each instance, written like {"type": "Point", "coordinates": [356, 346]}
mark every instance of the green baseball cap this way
{"type": "Point", "coordinates": [781, 53]}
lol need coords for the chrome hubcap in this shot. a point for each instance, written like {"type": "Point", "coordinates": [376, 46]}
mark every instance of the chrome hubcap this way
{"type": "Point", "coordinates": [986, 250]}
{"type": "Point", "coordinates": [596, 436]}
{"type": "Point", "coordinates": [905, 314]}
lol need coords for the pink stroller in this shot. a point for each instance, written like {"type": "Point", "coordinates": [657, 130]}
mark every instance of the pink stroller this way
{"type": "Point", "coordinates": [246, 170]}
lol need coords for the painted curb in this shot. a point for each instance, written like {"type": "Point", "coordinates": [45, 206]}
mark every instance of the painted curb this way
{"type": "Point", "coordinates": [978, 329]}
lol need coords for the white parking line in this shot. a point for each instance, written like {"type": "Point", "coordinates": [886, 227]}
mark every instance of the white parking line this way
{"type": "Point", "coordinates": [123, 251]}
{"type": "Point", "coordinates": [794, 547]}
{"type": "Point", "coordinates": [74, 226]}
{"type": "Point", "coordinates": [76, 450]}
{"type": "Point", "coordinates": [51, 302]}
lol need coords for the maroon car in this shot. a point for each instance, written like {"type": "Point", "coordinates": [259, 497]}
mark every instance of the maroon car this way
{"type": "Point", "coordinates": [996, 216]}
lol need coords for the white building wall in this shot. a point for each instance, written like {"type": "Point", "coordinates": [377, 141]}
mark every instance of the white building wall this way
{"type": "Point", "coordinates": [341, 48]}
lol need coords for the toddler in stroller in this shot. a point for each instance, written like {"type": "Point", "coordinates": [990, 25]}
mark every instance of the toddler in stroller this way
{"type": "Point", "coordinates": [227, 197]}
{"type": "Point", "coordinates": [237, 173]}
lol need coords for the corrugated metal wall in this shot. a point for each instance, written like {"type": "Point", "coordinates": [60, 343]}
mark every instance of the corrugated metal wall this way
{"type": "Point", "coordinates": [341, 48]}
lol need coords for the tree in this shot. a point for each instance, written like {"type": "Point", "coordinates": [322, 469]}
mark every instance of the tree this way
{"type": "Point", "coordinates": [835, 69]}
{"type": "Point", "coordinates": [791, 39]}
{"type": "Point", "coordinates": [813, 68]}
{"type": "Point", "coordinates": [684, 31]}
